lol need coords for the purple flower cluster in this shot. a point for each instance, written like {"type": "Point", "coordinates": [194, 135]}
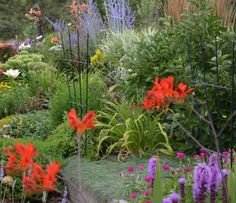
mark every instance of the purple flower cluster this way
{"type": "Point", "coordinates": [152, 168]}
{"type": "Point", "coordinates": [215, 176]}
{"type": "Point", "coordinates": [201, 176]}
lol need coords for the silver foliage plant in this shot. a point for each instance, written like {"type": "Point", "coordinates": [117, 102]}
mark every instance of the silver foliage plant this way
{"type": "Point", "coordinates": [119, 15]}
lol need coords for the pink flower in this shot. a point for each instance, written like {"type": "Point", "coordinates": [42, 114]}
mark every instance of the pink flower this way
{"type": "Point", "coordinates": [148, 201]}
{"type": "Point", "coordinates": [196, 156]}
{"type": "Point", "coordinates": [202, 150]}
{"type": "Point", "coordinates": [133, 196]}
{"type": "Point", "coordinates": [141, 167]}
{"type": "Point", "coordinates": [1, 72]}
{"type": "Point", "coordinates": [131, 169]}
{"type": "Point", "coordinates": [148, 179]}
{"type": "Point", "coordinates": [202, 155]}
{"type": "Point", "coordinates": [166, 167]}
{"type": "Point", "coordinates": [187, 169]}
{"type": "Point", "coordinates": [180, 155]}
{"type": "Point", "coordinates": [145, 193]}
{"type": "Point", "coordinates": [225, 153]}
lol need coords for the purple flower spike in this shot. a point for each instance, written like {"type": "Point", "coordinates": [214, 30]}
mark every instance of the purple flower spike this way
{"type": "Point", "coordinates": [201, 176]}
{"type": "Point", "coordinates": [1, 172]}
{"type": "Point", "coordinates": [182, 181]}
{"type": "Point", "coordinates": [167, 200]}
{"type": "Point", "coordinates": [152, 167]}
{"type": "Point", "coordinates": [175, 197]}
{"type": "Point", "coordinates": [215, 177]}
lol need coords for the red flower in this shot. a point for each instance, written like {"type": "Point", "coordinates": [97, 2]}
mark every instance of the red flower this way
{"type": "Point", "coordinates": [81, 126]}
{"type": "Point", "coordinates": [1, 72]}
{"type": "Point", "coordinates": [166, 167]}
{"type": "Point", "coordinates": [39, 181]}
{"type": "Point", "coordinates": [21, 160]}
{"type": "Point", "coordinates": [133, 196]}
{"type": "Point", "coordinates": [180, 155]}
{"type": "Point", "coordinates": [148, 179]}
{"type": "Point", "coordinates": [141, 167]}
{"type": "Point", "coordinates": [163, 93]}
{"type": "Point", "coordinates": [187, 169]}
{"type": "Point", "coordinates": [131, 169]}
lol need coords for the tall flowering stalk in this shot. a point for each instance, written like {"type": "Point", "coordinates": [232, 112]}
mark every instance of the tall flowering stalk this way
{"type": "Point", "coordinates": [225, 174]}
{"type": "Point", "coordinates": [91, 20]}
{"type": "Point", "coordinates": [215, 177]}
{"type": "Point", "coordinates": [182, 182]}
{"type": "Point", "coordinates": [201, 176]}
{"type": "Point", "coordinates": [119, 15]}
{"type": "Point", "coordinates": [81, 127]}
{"type": "Point", "coordinates": [152, 169]}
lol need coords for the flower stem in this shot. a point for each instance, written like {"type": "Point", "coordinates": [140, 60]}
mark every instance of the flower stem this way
{"type": "Point", "coordinates": [78, 154]}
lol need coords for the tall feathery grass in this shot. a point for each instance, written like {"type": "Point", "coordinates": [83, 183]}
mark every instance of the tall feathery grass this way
{"type": "Point", "coordinates": [226, 9]}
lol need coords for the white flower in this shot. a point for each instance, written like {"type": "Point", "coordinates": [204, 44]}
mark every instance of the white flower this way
{"type": "Point", "coordinates": [23, 46]}
{"type": "Point", "coordinates": [55, 48]}
{"type": "Point", "coordinates": [39, 37]}
{"type": "Point", "coordinates": [12, 73]}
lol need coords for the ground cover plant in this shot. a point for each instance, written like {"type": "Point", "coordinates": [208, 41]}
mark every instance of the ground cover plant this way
{"type": "Point", "coordinates": [135, 100]}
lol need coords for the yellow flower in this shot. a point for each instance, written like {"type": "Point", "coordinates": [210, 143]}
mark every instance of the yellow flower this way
{"type": "Point", "coordinates": [98, 58]}
{"type": "Point", "coordinates": [4, 85]}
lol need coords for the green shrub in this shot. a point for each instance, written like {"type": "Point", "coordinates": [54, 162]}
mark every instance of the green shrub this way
{"type": "Point", "coordinates": [59, 145]}
{"type": "Point", "coordinates": [61, 104]}
{"type": "Point", "coordinates": [34, 124]}
{"type": "Point", "coordinates": [127, 131]}
{"type": "Point", "coordinates": [14, 100]}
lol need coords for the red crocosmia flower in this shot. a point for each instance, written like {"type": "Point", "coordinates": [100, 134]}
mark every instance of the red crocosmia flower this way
{"type": "Point", "coordinates": [21, 159]}
{"type": "Point", "coordinates": [163, 93]}
{"type": "Point", "coordinates": [39, 181]}
{"type": "Point", "coordinates": [81, 126]}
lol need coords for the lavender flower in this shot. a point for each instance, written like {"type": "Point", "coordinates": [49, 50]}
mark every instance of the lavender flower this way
{"type": "Point", "coordinates": [167, 200]}
{"type": "Point", "coordinates": [152, 167]}
{"type": "Point", "coordinates": [201, 176]}
{"type": "Point", "coordinates": [175, 197]}
{"type": "Point", "coordinates": [64, 199]}
{"type": "Point", "coordinates": [91, 20]}
{"type": "Point", "coordinates": [119, 15]}
{"type": "Point", "coordinates": [59, 26]}
{"type": "Point", "coordinates": [215, 177]}
{"type": "Point", "coordinates": [182, 182]}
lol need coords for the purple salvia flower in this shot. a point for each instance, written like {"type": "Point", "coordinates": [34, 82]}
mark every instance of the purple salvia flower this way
{"type": "Point", "coordinates": [175, 197]}
{"type": "Point", "coordinates": [201, 176]}
{"type": "Point", "coordinates": [167, 200]}
{"type": "Point", "coordinates": [64, 199]}
{"type": "Point", "coordinates": [215, 177]}
{"type": "Point", "coordinates": [1, 172]}
{"type": "Point", "coordinates": [91, 20]}
{"type": "Point", "coordinates": [224, 173]}
{"type": "Point", "coordinates": [182, 182]}
{"type": "Point", "coordinates": [119, 15]}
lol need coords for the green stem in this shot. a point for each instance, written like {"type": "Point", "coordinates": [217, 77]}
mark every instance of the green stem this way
{"type": "Point", "coordinates": [78, 154]}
